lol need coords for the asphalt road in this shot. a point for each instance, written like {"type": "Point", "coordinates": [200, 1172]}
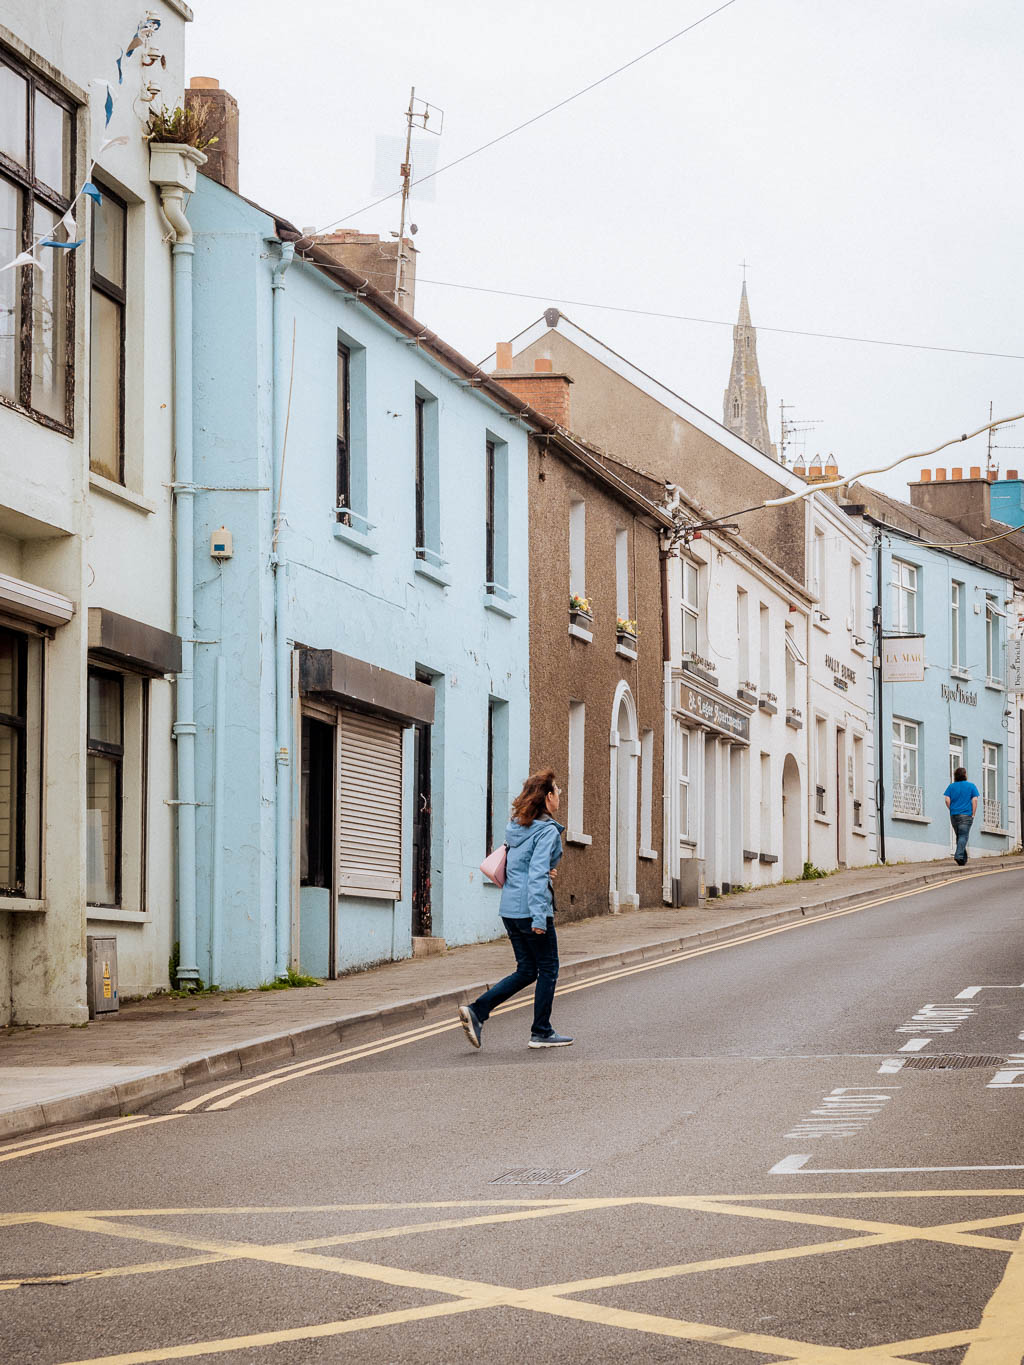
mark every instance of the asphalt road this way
{"type": "Point", "coordinates": [748, 1155]}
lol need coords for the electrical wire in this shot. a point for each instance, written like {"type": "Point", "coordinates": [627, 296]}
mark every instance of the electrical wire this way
{"type": "Point", "coordinates": [721, 322]}
{"type": "Point", "coordinates": [963, 544]}
{"type": "Point", "coordinates": [536, 117]}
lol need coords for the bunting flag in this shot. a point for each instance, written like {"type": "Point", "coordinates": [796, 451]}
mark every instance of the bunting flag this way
{"type": "Point", "coordinates": [110, 142]}
{"type": "Point", "coordinates": [120, 73]}
{"type": "Point", "coordinates": [90, 189]}
{"type": "Point", "coordinates": [24, 258]}
{"type": "Point", "coordinates": [62, 246]}
{"type": "Point", "coordinates": [108, 107]}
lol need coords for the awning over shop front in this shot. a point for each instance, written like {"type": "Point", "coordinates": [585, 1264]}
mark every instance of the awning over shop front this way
{"type": "Point", "coordinates": [132, 644]}
{"type": "Point", "coordinates": [29, 602]}
{"type": "Point", "coordinates": [355, 683]}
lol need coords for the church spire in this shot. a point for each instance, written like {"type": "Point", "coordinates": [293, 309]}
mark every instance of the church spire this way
{"type": "Point", "coordinates": [746, 404]}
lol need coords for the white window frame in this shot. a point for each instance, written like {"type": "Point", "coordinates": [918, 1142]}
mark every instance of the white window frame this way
{"type": "Point", "coordinates": [993, 642]}
{"type": "Point", "coordinates": [957, 753]}
{"type": "Point", "coordinates": [856, 596]}
{"type": "Point", "coordinates": [575, 779]}
{"type": "Point", "coordinates": [578, 548]}
{"type": "Point", "coordinates": [905, 585]}
{"type": "Point", "coordinates": [819, 564]}
{"type": "Point", "coordinates": [743, 633]}
{"type": "Point", "coordinates": [990, 771]}
{"type": "Point", "coordinates": [690, 581]}
{"type": "Point", "coordinates": [622, 573]}
{"type": "Point", "coordinates": [647, 849]}
{"type": "Point", "coordinates": [821, 804]}
{"type": "Point", "coordinates": [765, 644]}
{"type": "Point", "coordinates": [683, 757]}
{"type": "Point", "coordinates": [907, 748]}
{"type": "Point", "coordinates": [956, 609]}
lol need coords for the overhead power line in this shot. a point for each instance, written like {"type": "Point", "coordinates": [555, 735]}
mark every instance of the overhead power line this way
{"type": "Point", "coordinates": [722, 322]}
{"type": "Point", "coordinates": [527, 123]}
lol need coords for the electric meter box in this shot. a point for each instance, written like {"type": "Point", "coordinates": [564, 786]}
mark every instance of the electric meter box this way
{"type": "Point", "coordinates": [221, 546]}
{"type": "Point", "coordinates": [101, 974]}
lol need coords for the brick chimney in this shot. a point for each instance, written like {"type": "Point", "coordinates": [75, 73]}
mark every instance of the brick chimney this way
{"type": "Point", "coordinates": [541, 387]}
{"type": "Point", "coordinates": [221, 123]}
{"type": "Point", "coordinates": [967, 503]}
{"type": "Point", "coordinates": [375, 260]}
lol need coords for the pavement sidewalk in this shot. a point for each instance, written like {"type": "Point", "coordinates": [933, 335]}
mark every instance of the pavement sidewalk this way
{"type": "Point", "coordinates": [154, 1047]}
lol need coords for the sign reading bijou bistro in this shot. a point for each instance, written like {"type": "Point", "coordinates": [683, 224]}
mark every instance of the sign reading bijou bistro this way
{"type": "Point", "coordinates": [714, 712]}
{"type": "Point", "coordinates": [903, 659]}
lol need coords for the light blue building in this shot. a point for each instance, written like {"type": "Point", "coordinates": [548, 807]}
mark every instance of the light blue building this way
{"type": "Point", "coordinates": [361, 608]}
{"type": "Point", "coordinates": [949, 608]}
{"type": "Point", "coordinates": [1007, 499]}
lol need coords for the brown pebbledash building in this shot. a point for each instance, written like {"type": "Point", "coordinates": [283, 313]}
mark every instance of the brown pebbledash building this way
{"type": "Point", "coordinates": [596, 656]}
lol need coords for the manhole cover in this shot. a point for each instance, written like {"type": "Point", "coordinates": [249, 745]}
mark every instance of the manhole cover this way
{"type": "Point", "coordinates": [951, 1062]}
{"type": "Point", "coordinates": [528, 1175]}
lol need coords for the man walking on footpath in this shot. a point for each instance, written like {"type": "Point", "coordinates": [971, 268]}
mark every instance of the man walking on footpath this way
{"type": "Point", "coordinates": [962, 804]}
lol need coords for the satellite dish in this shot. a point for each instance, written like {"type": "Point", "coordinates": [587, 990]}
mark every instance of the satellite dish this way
{"type": "Point", "coordinates": [413, 229]}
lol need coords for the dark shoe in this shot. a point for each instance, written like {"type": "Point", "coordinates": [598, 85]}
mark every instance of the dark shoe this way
{"type": "Point", "coordinates": [549, 1040]}
{"type": "Point", "coordinates": [471, 1024]}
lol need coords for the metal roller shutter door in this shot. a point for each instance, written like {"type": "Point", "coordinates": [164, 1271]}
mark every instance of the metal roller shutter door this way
{"type": "Point", "coordinates": [369, 806]}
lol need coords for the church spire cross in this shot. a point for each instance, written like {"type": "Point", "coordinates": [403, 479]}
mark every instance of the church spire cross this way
{"type": "Point", "coordinates": [746, 404]}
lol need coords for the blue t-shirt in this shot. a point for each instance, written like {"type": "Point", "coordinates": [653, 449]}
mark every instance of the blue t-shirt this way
{"type": "Point", "coordinates": [961, 794]}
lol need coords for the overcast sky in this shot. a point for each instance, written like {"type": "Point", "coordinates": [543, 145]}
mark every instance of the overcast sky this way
{"type": "Point", "coordinates": [862, 155]}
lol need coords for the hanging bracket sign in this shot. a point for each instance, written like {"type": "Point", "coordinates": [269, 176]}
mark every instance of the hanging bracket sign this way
{"type": "Point", "coordinates": [903, 658]}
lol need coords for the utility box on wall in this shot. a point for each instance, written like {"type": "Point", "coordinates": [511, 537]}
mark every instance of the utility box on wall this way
{"type": "Point", "coordinates": [101, 974]}
{"type": "Point", "coordinates": [689, 888]}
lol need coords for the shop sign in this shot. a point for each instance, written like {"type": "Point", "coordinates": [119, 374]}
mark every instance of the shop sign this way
{"type": "Point", "coordinates": [842, 674]}
{"type": "Point", "coordinates": [903, 659]}
{"type": "Point", "coordinates": [714, 712]}
{"type": "Point", "coordinates": [959, 694]}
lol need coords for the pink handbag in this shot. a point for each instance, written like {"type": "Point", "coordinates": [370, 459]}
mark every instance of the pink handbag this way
{"type": "Point", "coordinates": [493, 866]}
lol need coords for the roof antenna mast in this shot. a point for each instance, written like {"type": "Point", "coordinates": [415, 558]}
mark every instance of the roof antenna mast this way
{"type": "Point", "coordinates": [417, 115]}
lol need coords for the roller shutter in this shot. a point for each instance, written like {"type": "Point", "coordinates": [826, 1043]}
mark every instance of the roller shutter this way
{"type": "Point", "coordinates": [369, 806]}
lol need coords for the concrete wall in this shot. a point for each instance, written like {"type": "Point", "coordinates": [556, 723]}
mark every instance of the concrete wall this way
{"type": "Point", "coordinates": [99, 544]}
{"type": "Point", "coordinates": [565, 667]}
{"type": "Point", "coordinates": [363, 594]}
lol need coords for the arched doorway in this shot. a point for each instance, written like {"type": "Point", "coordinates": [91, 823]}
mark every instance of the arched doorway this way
{"type": "Point", "coordinates": [792, 820]}
{"type": "Point", "coordinates": [622, 833]}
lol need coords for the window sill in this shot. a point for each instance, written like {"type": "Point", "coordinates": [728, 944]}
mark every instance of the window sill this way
{"type": "Point", "coordinates": [575, 837]}
{"type": "Point", "coordinates": [822, 819]}
{"type": "Point", "coordinates": [825, 629]}
{"type": "Point", "coordinates": [579, 633]}
{"type": "Point", "coordinates": [767, 858]}
{"type": "Point", "coordinates": [359, 540]}
{"type": "Point", "coordinates": [750, 855]}
{"type": "Point", "coordinates": [993, 829]}
{"type": "Point", "coordinates": [768, 707]}
{"type": "Point", "coordinates": [115, 915]}
{"type": "Point", "coordinates": [625, 652]}
{"type": "Point", "coordinates": [687, 843]}
{"type": "Point", "coordinates": [994, 685]}
{"type": "Point", "coordinates": [121, 494]}
{"type": "Point", "coordinates": [964, 674]}
{"type": "Point", "coordinates": [424, 569]}
{"type": "Point", "coordinates": [499, 606]}
{"type": "Point", "coordinates": [22, 905]}
{"type": "Point", "coordinates": [913, 819]}
{"type": "Point", "coordinates": [650, 854]}
{"type": "Point", "coordinates": [860, 831]}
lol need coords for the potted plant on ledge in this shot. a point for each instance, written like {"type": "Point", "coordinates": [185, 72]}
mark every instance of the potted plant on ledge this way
{"type": "Point", "coordinates": [625, 630]}
{"type": "Point", "coordinates": [177, 143]}
{"type": "Point", "coordinates": [580, 613]}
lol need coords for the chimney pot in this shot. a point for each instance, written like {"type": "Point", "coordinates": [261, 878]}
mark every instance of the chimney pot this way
{"type": "Point", "coordinates": [542, 365]}
{"type": "Point", "coordinates": [815, 471]}
{"type": "Point", "coordinates": [975, 471]}
{"type": "Point", "coordinates": [940, 476]}
{"type": "Point", "coordinates": [204, 83]}
{"type": "Point", "coordinates": [992, 475]}
{"type": "Point", "coordinates": [1011, 473]}
{"type": "Point", "coordinates": [503, 355]}
{"type": "Point", "coordinates": [958, 472]}
{"type": "Point", "coordinates": [926, 476]}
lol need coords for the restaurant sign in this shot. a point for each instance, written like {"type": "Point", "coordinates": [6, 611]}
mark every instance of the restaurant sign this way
{"type": "Point", "coordinates": [713, 712]}
{"type": "Point", "coordinates": [903, 659]}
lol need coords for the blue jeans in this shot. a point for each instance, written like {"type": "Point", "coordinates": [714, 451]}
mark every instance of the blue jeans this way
{"type": "Point", "coordinates": [536, 960]}
{"type": "Point", "coordinates": [961, 828]}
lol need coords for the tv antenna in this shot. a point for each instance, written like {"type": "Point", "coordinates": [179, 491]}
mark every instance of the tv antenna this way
{"type": "Point", "coordinates": [996, 445]}
{"type": "Point", "coordinates": [418, 115]}
{"type": "Point", "coordinates": [788, 429]}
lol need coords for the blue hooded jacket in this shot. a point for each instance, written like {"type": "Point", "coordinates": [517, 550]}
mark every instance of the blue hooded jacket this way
{"type": "Point", "coordinates": [533, 850]}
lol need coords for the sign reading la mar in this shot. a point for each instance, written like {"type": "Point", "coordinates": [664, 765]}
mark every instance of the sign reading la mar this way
{"type": "Point", "coordinates": [903, 659]}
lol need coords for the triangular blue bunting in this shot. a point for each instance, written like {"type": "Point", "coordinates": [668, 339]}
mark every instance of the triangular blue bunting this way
{"type": "Point", "coordinates": [64, 246]}
{"type": "Point", "coordinates": [108, 105]}
{"type": "Point", "coordinates": [90, 189]}
{"type": "Point", "coordinates": [120, 73]}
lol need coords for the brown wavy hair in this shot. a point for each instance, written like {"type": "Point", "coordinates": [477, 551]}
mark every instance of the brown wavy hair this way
{"type": "Point", "coordinates": [530, 803]}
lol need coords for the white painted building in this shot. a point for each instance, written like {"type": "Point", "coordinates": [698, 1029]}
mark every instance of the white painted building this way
{"type": "Point", "coordinates": [735, 744]}
{"type": "Point", "coordinates": [840, 681]}
{"type": "Point", "coordinates": [86, 611]}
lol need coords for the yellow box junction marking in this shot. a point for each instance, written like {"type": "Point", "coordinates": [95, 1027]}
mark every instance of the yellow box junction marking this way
{"type": "Point", "coordinates": [992, 1341]}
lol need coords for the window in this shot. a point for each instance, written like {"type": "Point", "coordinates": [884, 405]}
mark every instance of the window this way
{"type": "Point", "coordinates": [646, 789]}
{"type": "Point", "coordinates": [578, 548]}
{"type": "Point", "coordinates": [993, 642]}
{"type": "Point", "coordinates": [104, 787]}
{"type": "Point", "coordinates": [856, 597]}
{"type": "Point", "coordinates": [957, 751]}
{"type": "Point", "coordinates": [428, 492]}
{"type": "Point", "coordinates": [691, 583]}
{"type": "Point", "coordinates": [316, 848]}
{"type": "Point", "coordinates": [766, 803]}
{"type": "Point", "coordinates": [622, 574]}
{"type": "Point", "coordinates": [344, 458]}
{"type": "Point", "coordinates": [956, 623]}
{"type": "Point", "coordinates": [792, 655]}
{"type": "Point", "coordinates": [735, 407]}
{"type": "Point", "coordinates": [907, 795]}
{"type": "Point", "coordinates": [821, 765]}
{"type": "Point", "coordinates": [577, 738]}
{"type": "Point", "coordinates": [743, 634]}
{"type": "Point", "coordinates": [858, 782]}
{"type": "Point", "coordinates": [765, 644]}
{"type": "Point", "coordinates": [12, 763]}
{"type": "Point", "coordinates": [497, 771]}
{"type": "Point", "coordinates": [683, 769]}
{"type": "Point", "coordinates": [369, 806]}
{"type": "Point", "coordinates": [904, 597]}
{"type": "Point", "coordinates": [496, 516]}
{"type": "Point", "coordinates": [819, 565]}
{"type": "Point", "coordinates": [992, 807]}
{"type": "Point", "coordinates": [106, 341]}
{"type": "Point", "coordinates": [36, 171]}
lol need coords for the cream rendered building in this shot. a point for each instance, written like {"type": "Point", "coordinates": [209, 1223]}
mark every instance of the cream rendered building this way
{"type": "Point", "coordinates": [87, 643]}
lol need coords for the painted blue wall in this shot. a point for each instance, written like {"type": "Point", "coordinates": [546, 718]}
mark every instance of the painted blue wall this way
{"type": "Point", "coordinates": [1008, 501]}
{"type": "Point", "coordinates": [940, 713]}
{"type": "Point", "coordinates": [361, 593]}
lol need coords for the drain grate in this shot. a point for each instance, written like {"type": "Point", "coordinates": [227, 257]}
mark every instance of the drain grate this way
{"type": "Point", "coordinates": [951, 1062]}
{"type": "Point", "coordinates": [529, 1175]}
